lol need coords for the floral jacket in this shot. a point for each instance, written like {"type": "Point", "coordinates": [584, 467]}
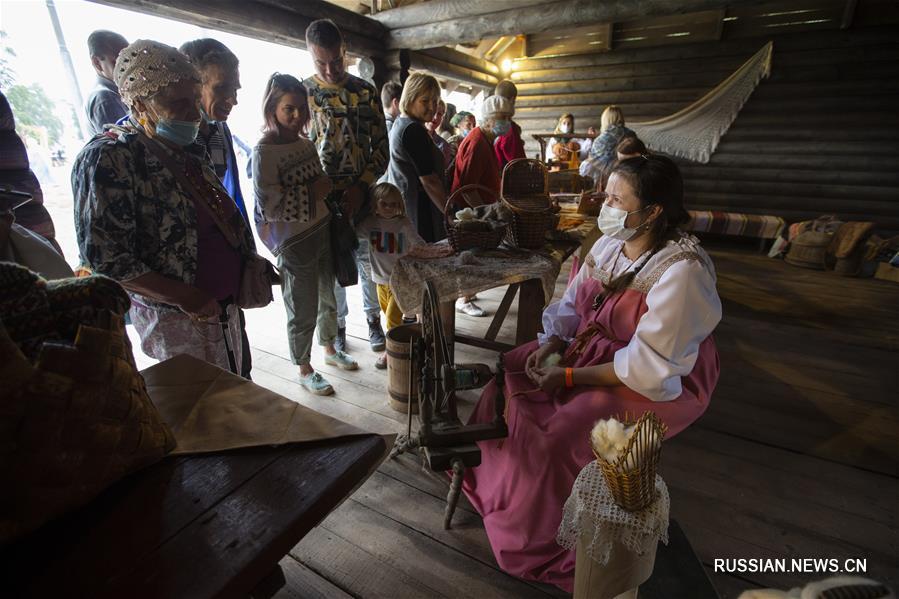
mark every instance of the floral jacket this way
{"type": "Point", "coordinates": [132, 216]}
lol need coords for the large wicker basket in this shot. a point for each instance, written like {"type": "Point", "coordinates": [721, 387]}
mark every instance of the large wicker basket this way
{"type": "Point", "coordinates": [631, 478]}
{"type": "Point", "coordinates": [76, 416]}
{"type": "Point", "coordinates": [524, 191]}
{"type": "Point", "coordinates": [461, 239]}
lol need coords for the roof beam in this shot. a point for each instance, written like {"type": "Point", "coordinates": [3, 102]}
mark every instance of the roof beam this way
{"type": "Point", "coordinates": [537, 18]}
{"type": "Point", "coordinates": [424, 13]}
{"type": "Point", "coordinates": [265, 21]}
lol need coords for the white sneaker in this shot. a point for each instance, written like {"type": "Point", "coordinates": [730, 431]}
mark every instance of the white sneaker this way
{"type": "Point", "coordinates": [341, 360]}
{"type": "Point", "coordinates": [316, 384]}
{"type": "Point", "coordinates": [469, 308]}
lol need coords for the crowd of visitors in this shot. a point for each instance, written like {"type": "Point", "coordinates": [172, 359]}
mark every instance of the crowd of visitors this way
{"type": "Point", "coordinates": [159, 208]}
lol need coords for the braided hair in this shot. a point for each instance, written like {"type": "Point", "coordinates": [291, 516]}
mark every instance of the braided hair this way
{"type": "Point", "coordinates": [655, 180]}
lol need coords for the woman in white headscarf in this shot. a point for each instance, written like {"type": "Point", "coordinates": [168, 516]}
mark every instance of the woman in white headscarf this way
{"type": "Point", "coordinates": [151, 214]}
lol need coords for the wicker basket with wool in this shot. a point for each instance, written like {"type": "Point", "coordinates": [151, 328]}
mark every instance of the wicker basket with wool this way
{"type": "Point", "coordinates": [471, 234]}
{"type": "Point", "coordinates": [631, 476]}
{"type": "Point", "coordinates": [525, 192]}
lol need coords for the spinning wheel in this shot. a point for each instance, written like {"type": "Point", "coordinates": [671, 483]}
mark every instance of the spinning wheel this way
{"type": "Point", "coordinates": [447, 443]}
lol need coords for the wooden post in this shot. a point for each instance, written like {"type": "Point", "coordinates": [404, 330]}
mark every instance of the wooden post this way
{"type": "Point", "coordinates": [848, 14]}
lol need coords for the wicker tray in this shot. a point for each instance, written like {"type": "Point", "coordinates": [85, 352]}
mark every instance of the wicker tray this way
{"type": "Point", "coordinates": [461, 239]}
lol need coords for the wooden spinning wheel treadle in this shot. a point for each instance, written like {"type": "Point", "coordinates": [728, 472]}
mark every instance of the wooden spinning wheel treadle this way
{"type": "Point", "coordinates": [447, 443]}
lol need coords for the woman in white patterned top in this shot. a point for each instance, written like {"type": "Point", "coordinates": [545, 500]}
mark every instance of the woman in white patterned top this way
{"type": "Point", "coordinates": [292, 221]}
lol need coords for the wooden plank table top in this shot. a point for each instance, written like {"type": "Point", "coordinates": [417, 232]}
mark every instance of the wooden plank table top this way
{"type": "Point", "coordinates": [210, 525]}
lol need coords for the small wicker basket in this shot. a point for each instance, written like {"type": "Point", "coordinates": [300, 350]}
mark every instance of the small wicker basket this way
{"type": "Point", "coordinates": [809, 250]}
{"type": "Point", "coordinates": [525, 192]}
{"type": "Point", "coordinates": [632, 477]}
{"type": "Point", "coordinates": [461, 239]}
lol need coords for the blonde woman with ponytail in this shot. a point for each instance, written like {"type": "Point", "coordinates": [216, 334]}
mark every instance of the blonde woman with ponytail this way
{"type": "Point", "coordinates": [634, 333]}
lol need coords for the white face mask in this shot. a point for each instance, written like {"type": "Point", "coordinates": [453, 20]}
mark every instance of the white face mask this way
{"type": "Point", "coordinates": [611, 222]}
{"type": "Point", "coordinates": [565, 128]}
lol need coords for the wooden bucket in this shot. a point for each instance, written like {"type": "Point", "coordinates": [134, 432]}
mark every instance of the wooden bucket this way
{"type": "Point", "coordinates": [399, 342]}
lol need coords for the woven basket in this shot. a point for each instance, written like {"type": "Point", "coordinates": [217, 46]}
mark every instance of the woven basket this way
{"type": "Point", "coordinates": [76, 415]}
{"type": "Point", "coordinates": [809, 250]}
{"type": "Point", "coordinates": [632, 477]}
{"type": "Point", "coordinates": [525, 193]}
{"type": "Point", "coordinates": [462, 239]}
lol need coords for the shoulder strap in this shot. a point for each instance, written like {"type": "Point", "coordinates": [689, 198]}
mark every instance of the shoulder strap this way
{"type": "Point", "coordinates": [190, 189]}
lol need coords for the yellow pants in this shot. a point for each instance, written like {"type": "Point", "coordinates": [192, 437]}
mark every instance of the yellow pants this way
{"type": "Point", "coordinates": [388, 305]}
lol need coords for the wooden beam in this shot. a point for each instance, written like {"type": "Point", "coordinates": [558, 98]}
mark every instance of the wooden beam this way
{"type": "Point", "coordinates": [462, 59]}
{"type": "Point", "coordinates": [260, 20]}
{"type": "Point", "coordinates": [848, 14]}
{"type": "Point", "coordinates": [347, 20]}
{"type": "Point", "coordinates": [533, 19]}
{"type": "Point", "coordinates": [719, 23]}
{"type": "Point", "coordinates": [424, 62]}
{"type": "Point", "coordinates": [424, 13]}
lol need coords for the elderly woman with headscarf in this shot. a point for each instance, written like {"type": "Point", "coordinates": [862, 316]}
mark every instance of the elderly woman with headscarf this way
{"type": "Point", "coordinates": [151, 214]}
{"type": "Point", "coordinates": [476, 161]}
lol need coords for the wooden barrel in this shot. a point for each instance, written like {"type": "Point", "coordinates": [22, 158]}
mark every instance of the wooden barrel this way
{"type": "Point", "coordinates": [398, 346]}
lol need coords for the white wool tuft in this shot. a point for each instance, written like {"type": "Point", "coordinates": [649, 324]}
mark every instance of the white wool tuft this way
{"type": "Point", "coordinates": [551, 360]}
{"type": "Point", "coordinates": [610, 437]}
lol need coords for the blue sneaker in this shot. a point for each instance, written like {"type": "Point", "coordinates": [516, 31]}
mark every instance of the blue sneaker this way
{"type": "Point", "coordinates": [316, 384]}
{"type": "Point", "coordinates": [342, 361]}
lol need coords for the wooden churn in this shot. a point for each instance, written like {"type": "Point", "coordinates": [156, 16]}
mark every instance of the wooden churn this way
{"type": "Point", "coordinates": [399, 343]}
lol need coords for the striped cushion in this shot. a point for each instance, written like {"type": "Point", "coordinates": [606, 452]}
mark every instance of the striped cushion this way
{"type": "Point", "coordinates": [732, 223]}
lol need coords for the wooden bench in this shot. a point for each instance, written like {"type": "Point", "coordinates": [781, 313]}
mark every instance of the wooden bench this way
{"type": "Point", "coordinates": [210, 525]}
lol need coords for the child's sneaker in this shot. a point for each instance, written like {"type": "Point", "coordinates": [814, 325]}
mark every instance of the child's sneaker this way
{"type": "Point", "coordinates": [381, 362]}
{"type": "Point", "coordinates": [341, 360]}
{"type": "Point", "coordinates": [316, 384]}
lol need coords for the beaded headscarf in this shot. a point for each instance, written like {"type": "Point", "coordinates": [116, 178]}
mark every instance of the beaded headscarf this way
{"type": "Point", "coordinates": [145, 67]}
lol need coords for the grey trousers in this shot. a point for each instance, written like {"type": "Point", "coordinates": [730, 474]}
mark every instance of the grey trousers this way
{"type": "Point", "coordinates": [307, 284]}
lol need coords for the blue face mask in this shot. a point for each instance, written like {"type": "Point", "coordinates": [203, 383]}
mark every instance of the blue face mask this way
{"type": "Point", "coordinates": [209, 120]}
{"type": "Point", "coordinates": [465, 132]}
{"type": "Point", "coordinates": [501, 127]}
{"type": "Point", "coordinates": [180, 133]}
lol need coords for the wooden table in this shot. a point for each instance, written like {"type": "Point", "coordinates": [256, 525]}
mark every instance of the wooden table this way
{"type": "Point", "coordinates": [196, 526]}
{"type": "Point", "coordinates": [531, 302]}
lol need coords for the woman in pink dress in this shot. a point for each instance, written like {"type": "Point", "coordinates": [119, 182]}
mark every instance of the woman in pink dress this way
{"type": "Point", "coordinates": [634, 329]}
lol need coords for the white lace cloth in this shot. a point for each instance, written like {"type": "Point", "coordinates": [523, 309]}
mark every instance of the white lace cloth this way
{"type": "Point", "coordinates": [694, 132]}
{"type": "Point", "coordinates": [590, 510]}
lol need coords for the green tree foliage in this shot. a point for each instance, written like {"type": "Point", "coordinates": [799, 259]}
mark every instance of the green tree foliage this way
{"type": "Point", "coordinates": [7, 75]}
{"type": "Point", "coordinates": [32, 108]}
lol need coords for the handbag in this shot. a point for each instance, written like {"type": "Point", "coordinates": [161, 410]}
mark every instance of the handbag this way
{"type": "Point", "coordinates": [257, 274]}
{"type": "Point", "coordinates": [256, 282]}
{"type": "Point", "coordinates": [344, 243]}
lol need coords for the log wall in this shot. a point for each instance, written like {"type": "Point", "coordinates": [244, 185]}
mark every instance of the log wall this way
{"type": "Point", "coordinates": [821, 135]}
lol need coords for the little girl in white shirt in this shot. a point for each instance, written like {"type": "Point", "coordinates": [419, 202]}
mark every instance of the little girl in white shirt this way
{"type": "Point", "coordinates": [391, 236]}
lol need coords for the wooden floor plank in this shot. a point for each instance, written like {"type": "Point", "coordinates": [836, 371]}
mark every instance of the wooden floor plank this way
{"type": "Point", "coordinates": [419, 557]}
{"type": "Point", "coordinates": [303, 583]}
{"type": "Point", "coordinates": [358, 572]}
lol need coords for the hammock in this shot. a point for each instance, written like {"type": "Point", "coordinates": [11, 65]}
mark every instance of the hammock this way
{"type": "Point", "coordinates": [694, 132]}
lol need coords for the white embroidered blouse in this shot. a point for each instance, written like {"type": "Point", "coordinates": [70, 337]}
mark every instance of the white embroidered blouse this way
{"type": "Point", "coordinates": [683, 309]}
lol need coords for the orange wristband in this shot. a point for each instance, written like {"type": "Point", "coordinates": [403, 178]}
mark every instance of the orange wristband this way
{"type": "Point", "coordinates": [569, 377]}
